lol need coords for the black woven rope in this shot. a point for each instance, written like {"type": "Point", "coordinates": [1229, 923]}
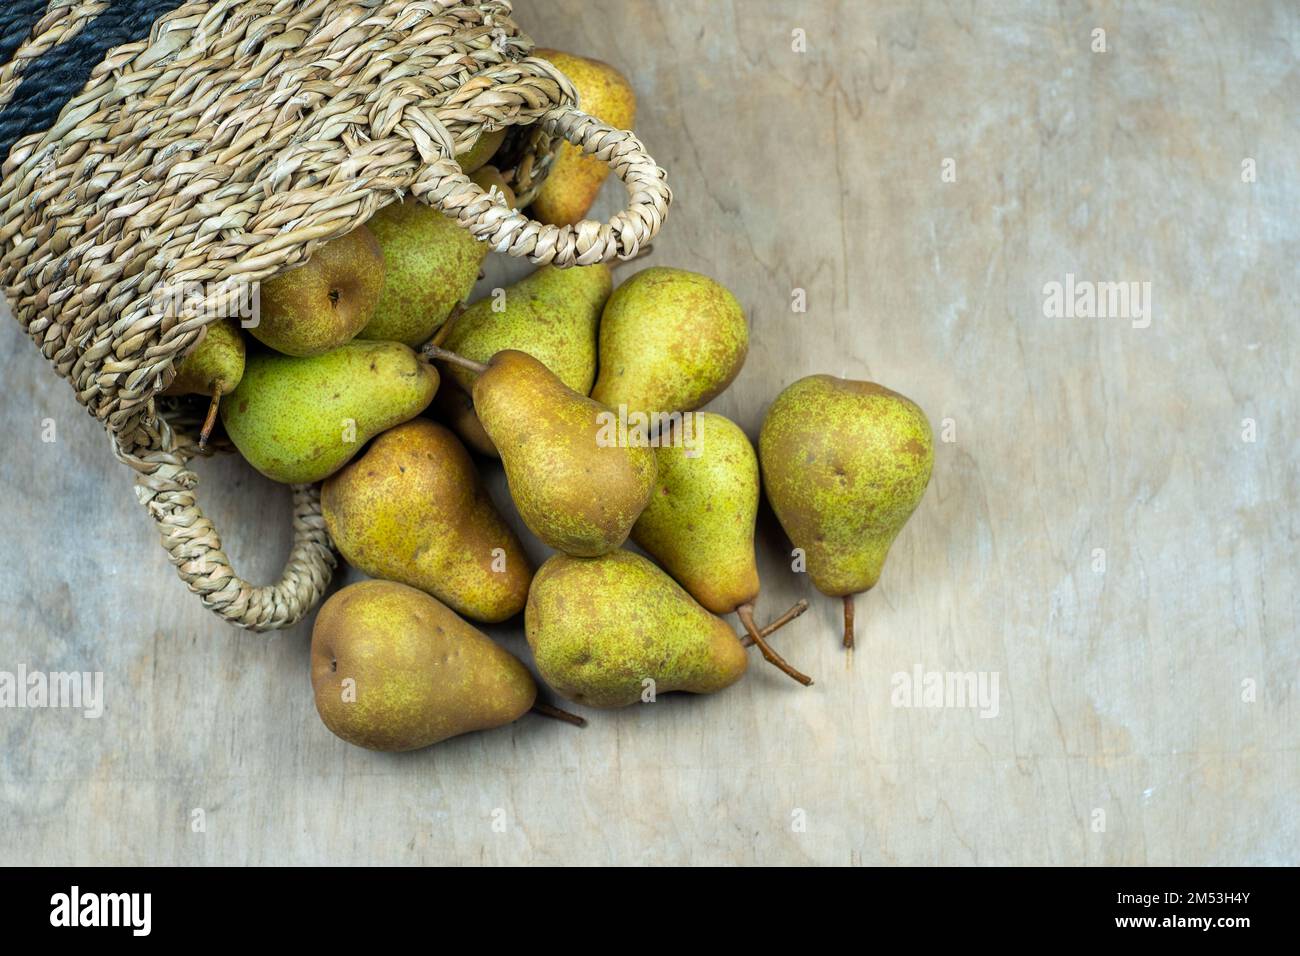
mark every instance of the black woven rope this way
{"type": "Point", "coordinates": [49, 81]}
{"type": "Point", "coordinates": [16, 22]}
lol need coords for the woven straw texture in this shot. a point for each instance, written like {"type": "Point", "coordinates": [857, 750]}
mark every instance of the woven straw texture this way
{"type": "Point", "coordinates": [220, 150]}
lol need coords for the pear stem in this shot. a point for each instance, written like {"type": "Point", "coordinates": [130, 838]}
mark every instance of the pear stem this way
{"type": "Point", "coordinates": [848, 621]}
{"type": "Point", "coordinates": [210, 422]}
{"type": "Point", "coordinates": [445, 329]}
{"type": "Point", "coordinates": [434, 352]}
{"type": "Point", "coordinates": [555, 713]}
{"type": "Point", "coordinates": [799, 607]}
{"type": "Point", "coordinates": [746, 614]}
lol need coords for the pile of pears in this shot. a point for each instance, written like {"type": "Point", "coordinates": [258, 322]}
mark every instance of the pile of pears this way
{"type": "Point", "coordinates": [368, 373]}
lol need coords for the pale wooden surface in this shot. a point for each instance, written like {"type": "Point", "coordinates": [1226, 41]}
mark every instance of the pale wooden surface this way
{"type": "Point", "coordinates": [1120, 692]}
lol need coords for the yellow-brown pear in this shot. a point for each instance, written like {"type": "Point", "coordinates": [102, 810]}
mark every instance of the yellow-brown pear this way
{"type": "Point", "coordinates": [413, 509]}
{"type": "Point", "coordinates": [395, 669]}
{"type": "Point", "coordinates": [431, 262]}
{"type": "Point", "coordinates": [325, 302]}
{"type": "Point", "coordinates": [606, 630]}
{"type": "Point", "coordinates": [576, 485]}
{"type": "Point", "coordinates": [576, 178]}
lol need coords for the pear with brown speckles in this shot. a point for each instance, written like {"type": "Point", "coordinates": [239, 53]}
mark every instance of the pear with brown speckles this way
{"type": "Point", "coordinates": [299, 420]}
{"type": "Point", "coordinates": [551, 314]}
{"type": "Point", "coordinates": [395, 669]}
{"type": "Point", "coordinates": [577, 485]}
{"type": "Point", "coordinates": [700, 521]}
{"type": "Point", "coordinates": [845, 464]}
{"type": "Point", "coordinates": [670, 341]}
{"type": "Point", "coordinates": [413, 509]}
{"type": "Point", "coordinates": [324, 302]}
{"type": "Point", "coordinates": [431, 266]}
{"type": "Point", "coordinates": [605, 631]}
{"type": "Point", "coordinates": [575, 178]}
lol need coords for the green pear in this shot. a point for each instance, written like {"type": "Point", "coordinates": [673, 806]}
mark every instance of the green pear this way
{"type": "Point", "coordinates": [552, 315]}
{"type": "Point", "coordinates": [601, 627]}
{"type": "Point", "coordinates": [395, 669]}
{"type": "Point", "coordinates": [670, 341]}
{"type": "Point", "coordinates": [576, 489]}
{"type": "Point", "coordinates": [213, 368]}
{"type": "Point", "coordinates": [432, 264]}
{"type": "Point", "coordinates": [699, 523]}
{"type": "Point", "coordinates": [299, 420]}
{"type": "Point", "coordinates": [326, 301]}
{"type": "Point", "coordinates": [413, 509]}
{"type": "Point", "coordinates": [575, 178]}
{"type": "Point", "coordinates": [845, 464]}
{"type": "Point", "coordinates": [484, 149]}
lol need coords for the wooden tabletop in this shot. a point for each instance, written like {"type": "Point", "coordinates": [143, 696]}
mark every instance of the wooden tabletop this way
{"type": "Point", "coordinates": [1107, 548]}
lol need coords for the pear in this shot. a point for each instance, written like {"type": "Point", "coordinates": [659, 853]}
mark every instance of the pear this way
{"type": "Point", "coordinates": [432, 265]}
{"type": "Point", "coordinates": [699, 523]}
{"type": "Point", "coordinates": [484, 149]}
{"type": "Point", "coordinates": [413, 509]}
{"type": "Point", "coordinates": [299, 420]}
{"type": "Point", "coordinates": [670, 341]}
{"type": "Point", "coordinates": [395, 669]}
{"type": "Point", "coordinates": [576, 487]}
{"type": "Point", "coordinates": [489, 178]}
{"type": "Point", "coordinates": [845, 464]}
{"type": "Point", "coordinates": [326, 301]}
{"type": "Point", "coordinates": [577, 491]}
{"type": "Point", "coordinates": [575, 177]}
{"type": "Point", "coordinates": [600, 628]}
{"type": "Point", "coordinates": [551, 314]}
{"type": "Point", "coordinates": [454, 408]}
{"type": "Point", "coordinates": [213, 368]}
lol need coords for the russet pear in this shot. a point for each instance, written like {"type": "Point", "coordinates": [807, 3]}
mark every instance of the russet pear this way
{"type": "Point", "coordinates": [601, 628]}
{"type": "Point", "coordinates": [326, 301]}
{"type": "Point", "coordinates": [552, 314]}
{"type": "Point", "coordinates": [845, 464]}
{"type": "Point", "coordinates": [575, 177]}
{"type": "Point", "coordinates": [670, 341]}
{"type": "Point", "coordinates": [699, 524]}
{"type": "Point", "coordinates": [413, 509]}
{"type": "Point", "coordinates": [576, 491]}
{"type": "Point", "coordinates": [395, 669]}
{"type": "Point", "coordinates": [432, 264]}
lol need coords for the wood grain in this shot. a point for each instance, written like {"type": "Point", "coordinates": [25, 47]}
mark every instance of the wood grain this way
{"type": "Point", "coordinates": [1121, 691]}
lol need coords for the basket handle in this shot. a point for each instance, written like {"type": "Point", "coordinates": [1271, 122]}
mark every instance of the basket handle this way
{"type": "Point", "coordinates": [165, 486]}
{"type": "Point", "coordinates": [443, 185]}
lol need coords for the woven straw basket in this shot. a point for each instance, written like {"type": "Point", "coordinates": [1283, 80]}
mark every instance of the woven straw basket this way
{"type": "Point", "coordinates": [156, 145]}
